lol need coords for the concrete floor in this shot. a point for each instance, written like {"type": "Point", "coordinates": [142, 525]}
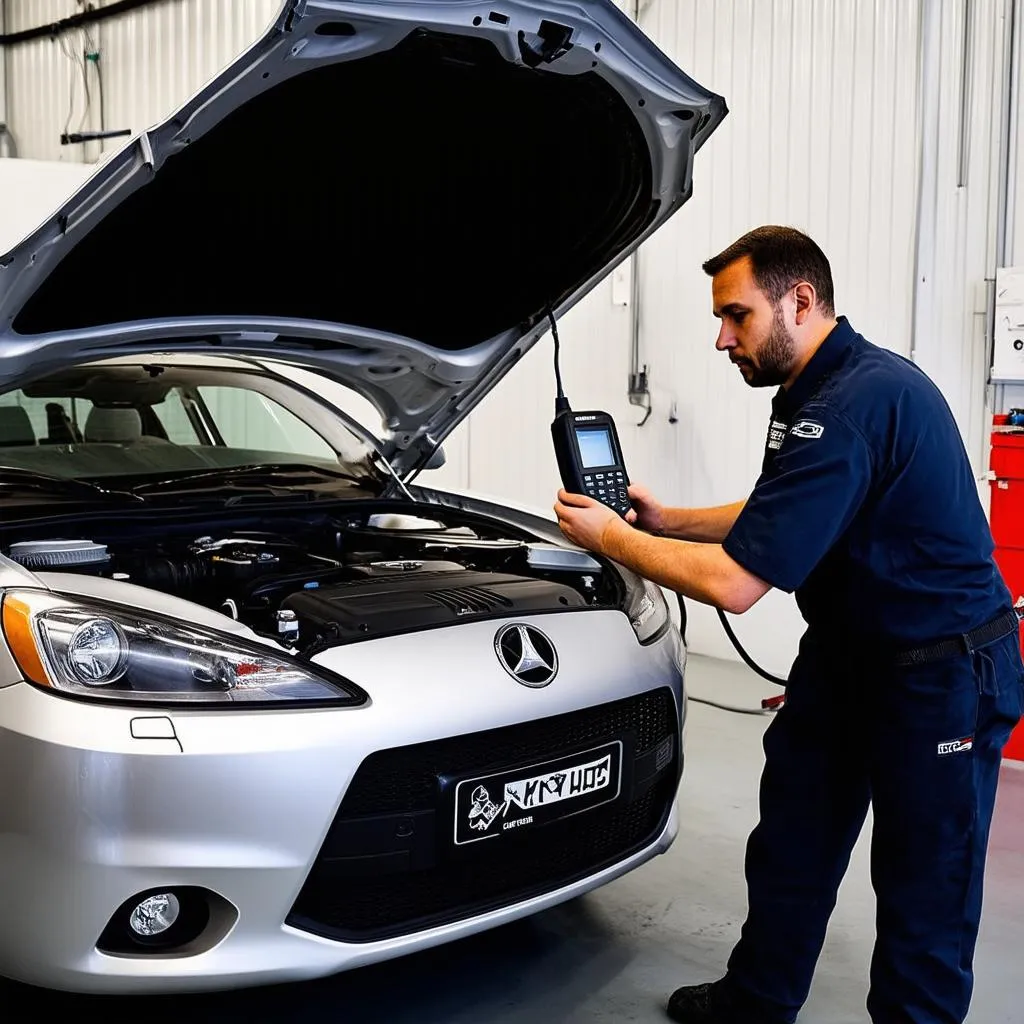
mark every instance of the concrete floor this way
{"type": "Point", "coordinates": [616, 954]}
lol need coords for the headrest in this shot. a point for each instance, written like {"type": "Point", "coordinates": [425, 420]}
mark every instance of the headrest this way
{"type": "Point", "coordinates": [15, 426]}
{"type": "Point", "coordinates": [113, 425]}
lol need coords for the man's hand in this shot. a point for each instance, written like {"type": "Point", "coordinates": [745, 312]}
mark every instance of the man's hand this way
{"type": "Point", "coordinates": [701, 571]}
{"type": "Point", "coordinates": [586, 522]}
{"type": "Point", "coordinates": [647, 513]}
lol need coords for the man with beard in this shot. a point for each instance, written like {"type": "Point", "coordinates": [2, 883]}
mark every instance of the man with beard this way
{"type": "Point", "coordinates": [908, 680]}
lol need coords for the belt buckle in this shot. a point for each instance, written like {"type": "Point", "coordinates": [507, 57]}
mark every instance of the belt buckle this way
{"type": "Point", "coordinates": [965, 639]}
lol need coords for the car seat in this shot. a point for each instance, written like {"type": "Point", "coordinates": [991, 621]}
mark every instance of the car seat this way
{"type": "Point", "coordinates": [15, 426]}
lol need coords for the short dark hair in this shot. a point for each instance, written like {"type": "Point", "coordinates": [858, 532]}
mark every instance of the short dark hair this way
{"type": "Point", "coordinates": [780, 257]}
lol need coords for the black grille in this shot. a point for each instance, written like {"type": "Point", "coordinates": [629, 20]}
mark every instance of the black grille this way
{"type": "Point", "coordinates": [459, 883]}
{"type": "Point", "coordinates": [405, 779]}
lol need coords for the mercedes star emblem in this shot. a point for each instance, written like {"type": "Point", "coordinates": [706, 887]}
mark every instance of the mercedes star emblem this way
{"type": "Point", "coordinates": [526, 654]}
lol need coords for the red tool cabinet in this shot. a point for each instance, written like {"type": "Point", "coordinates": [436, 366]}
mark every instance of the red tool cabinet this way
{"type": "Point", "coordinates": [1007, 519]}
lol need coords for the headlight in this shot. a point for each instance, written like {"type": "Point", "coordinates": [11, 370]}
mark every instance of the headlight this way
{"type": "Point", "coordinates": [645, 606]}
{"type": "Point", "coordinates": [115, 654]}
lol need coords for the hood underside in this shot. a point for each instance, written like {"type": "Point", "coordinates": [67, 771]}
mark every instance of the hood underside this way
{"type": "Point", "coordinates": [452, 201]}
{"type": "Point", "coordinates": [395, 194]}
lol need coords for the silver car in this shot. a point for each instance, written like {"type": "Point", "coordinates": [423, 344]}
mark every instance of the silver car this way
{"type": "Point", "coordinates": [270, 708]}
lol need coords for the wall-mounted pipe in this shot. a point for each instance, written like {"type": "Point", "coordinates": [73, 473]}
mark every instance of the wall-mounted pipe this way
{"type": "Point", "coordinates": [966, 74]}
{"type": "Point", "coordinates": [3, 64]}
{"type": "Point", "coordinates": [88, 17]}
{"type": "Point", "coordinates": [7, 144]}
{"type": "Point", "coordinates": [1009, 143]}
{"type": "Point", "coordinates": [638, 387]}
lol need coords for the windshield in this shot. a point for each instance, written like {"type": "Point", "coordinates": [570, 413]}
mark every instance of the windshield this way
{"type": "Point", "coordinates": [124, 425]}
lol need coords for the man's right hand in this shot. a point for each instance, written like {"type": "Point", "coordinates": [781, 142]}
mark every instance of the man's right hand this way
{"type": "Point", "coordinates": [647, 512]}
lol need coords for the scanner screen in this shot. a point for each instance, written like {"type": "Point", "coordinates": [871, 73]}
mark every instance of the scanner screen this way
{"type": "Point", "coordinates": [595, 447]}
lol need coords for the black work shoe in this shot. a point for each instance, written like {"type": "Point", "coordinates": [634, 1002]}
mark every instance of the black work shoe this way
{"type": "Point", "coordinates": [699, 1004]}
{"type": "Point", "coordinates": [712, 1004]}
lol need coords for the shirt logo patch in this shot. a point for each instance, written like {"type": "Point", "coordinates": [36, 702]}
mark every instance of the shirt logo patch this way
{"type": "Point", "coordinates": [807, 428]}
{"type": "Point", "coordinates": [956, 746]}
{"type": "Point", "coordinates": [776, 434]}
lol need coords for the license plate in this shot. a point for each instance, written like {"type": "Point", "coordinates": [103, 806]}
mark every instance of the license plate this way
{"type": "Point", "coordinates": [507, 802]}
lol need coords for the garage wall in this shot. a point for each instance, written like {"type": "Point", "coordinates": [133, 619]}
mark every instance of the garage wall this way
{"type": "Point", "coordinates": [30, 190]}
{"type": "Point", "coordinates": [830, 130]}
{"type": "Point", "coordinates": [151, 60]}
{"type": "Point", "coordinates": [1015, 178]}
{"type": "Point", "coordinates": [963, 105]}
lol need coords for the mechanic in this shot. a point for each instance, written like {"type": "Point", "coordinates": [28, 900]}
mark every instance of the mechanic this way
{"type": "Point", "coordinates": [908, 679]}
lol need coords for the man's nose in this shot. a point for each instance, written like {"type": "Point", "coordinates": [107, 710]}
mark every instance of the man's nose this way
{"type": "Point", "coordinates": [726, 339]}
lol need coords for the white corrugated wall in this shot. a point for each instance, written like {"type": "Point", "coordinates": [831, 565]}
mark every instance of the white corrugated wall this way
{"type": "Point", "coordinates": [829, 130]}
{"type": "Point", "coordinates": [963, 105]}
{"type": "Point", "coordinates": [151, 60]}
{"type": "Point", "coordinates": [1015, 183]}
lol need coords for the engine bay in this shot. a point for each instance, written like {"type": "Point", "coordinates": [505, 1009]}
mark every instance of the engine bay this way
{"type": "Point", "coordinates": [323, 581]}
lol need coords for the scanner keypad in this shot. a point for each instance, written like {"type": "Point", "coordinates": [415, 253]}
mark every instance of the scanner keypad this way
{"type": "Point", "coordinates": [609, 487]}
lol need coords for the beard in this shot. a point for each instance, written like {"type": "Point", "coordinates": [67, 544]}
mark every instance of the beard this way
{"type": "Point", "coordinates": [775, 357]}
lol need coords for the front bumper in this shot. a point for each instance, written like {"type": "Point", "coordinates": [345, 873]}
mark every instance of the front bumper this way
{"type": "Point", "coordinates": [247, 805]}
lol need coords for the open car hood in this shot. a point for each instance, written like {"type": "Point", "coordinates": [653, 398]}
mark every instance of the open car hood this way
{"type": "Point", "coordinates": [393, 193]}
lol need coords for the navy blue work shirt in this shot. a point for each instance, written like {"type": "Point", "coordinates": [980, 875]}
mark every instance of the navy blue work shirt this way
{"type": "Point", "coordinates": [867, 507]}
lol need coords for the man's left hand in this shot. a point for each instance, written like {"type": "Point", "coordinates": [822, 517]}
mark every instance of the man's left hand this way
{"type": "Point", "coordinates": [586, 522]}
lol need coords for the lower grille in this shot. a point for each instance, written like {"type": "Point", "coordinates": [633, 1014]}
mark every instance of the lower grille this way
{"type": "Point", "coordinates": [395, 890]}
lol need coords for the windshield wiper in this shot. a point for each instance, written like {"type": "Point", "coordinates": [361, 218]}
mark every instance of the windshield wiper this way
{"type": "Point", "coordinates": [270, 474]}
{"type": "Point", "coordinates": [29, 483]}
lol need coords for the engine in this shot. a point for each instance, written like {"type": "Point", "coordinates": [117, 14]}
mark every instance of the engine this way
{"type": "Point", "coordinates": [313, 586]}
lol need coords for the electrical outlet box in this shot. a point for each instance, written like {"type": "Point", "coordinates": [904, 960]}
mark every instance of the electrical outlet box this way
{"type": "Point", "coordinates": [1008, 348]}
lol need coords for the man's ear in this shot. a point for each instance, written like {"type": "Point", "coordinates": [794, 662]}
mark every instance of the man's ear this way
{"type": "Point", "coordinates": [805, 301]}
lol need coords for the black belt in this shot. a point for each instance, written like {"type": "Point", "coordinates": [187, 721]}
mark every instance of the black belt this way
{"type": "Point", "coordinates": [963, 644]}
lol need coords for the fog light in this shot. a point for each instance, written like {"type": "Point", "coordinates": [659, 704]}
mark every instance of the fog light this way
{"type": "Point", "coordinates": [185, 920]}
{"type": "Point", "coordinates": [153, 916]}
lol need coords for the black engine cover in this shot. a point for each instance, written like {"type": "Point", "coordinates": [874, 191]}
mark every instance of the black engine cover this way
{"type": "Point", "coordinates": [395, 597]}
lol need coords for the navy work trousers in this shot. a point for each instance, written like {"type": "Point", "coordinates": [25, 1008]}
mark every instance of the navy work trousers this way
{"type": "Point", "coordinates": [923, 747]}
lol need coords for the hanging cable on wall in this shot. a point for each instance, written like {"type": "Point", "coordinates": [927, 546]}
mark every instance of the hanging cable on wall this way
{"type": "Point", "coordinates": [83, 53]}
{"type": "Point", "coordinates": [72, 81]}
{"type": "Point", "coordinates": [92, 15]}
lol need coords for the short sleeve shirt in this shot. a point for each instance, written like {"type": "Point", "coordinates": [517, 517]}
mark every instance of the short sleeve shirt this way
{"type": "Point", "coordinates": [867, 506]}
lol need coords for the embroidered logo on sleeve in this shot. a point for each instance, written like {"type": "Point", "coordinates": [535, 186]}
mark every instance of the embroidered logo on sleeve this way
{"type": "Point", "coordinates": [956, 746]}
{"type": "Point", "coordinates": [776, 434]}
{"type": "Point", "coordinates": [807, 428]}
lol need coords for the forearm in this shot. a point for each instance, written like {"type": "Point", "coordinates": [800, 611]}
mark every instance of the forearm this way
{"type": "Point", "coordinates": [702, 525]}
{"type": "Point", "coordinates": [700, 571]}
